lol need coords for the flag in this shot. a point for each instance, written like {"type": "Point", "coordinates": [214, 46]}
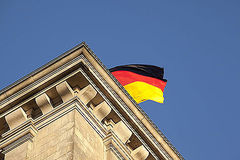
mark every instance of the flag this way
{"type": "Point", "coordinates": [142, 82]}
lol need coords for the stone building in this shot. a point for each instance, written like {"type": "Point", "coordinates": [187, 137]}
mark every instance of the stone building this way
{"type": "Point", "coordinates": [73, 108]}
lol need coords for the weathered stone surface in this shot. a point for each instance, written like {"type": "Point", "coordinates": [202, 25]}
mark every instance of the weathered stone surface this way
{"type": "Point", "coordinates": [122, 131]}
{"type": "Point", "coordinates": [16, 118]}
{"type": "Point", "coordinates": [87, 142]}
{"type": "Point", "coordinates": [101, 110]}
{"type": "Point", "coordinates": [67, 138]}
{"type": "Point", "coordinates": [22, 152]}
{"type": "Point", "coordinates": [71, 132]}
{"type": "Point", "coordinates": [55, 141]}
{"type": "Point", "coordinates": [140, 153]}
{"type": "Point", "coordinates": [44, 103]}
{"type": "Point", "coordinates": [87, 94]}
{"type": "Point", "coordinates": [65, 91]}
{"type": "Point", "coordinates": [110, 155]}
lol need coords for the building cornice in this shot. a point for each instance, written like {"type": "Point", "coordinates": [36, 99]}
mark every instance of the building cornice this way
{"type": "Point", "coordinates": [134, 102]}
{"type": "Point", "coordinates": [21, 83]}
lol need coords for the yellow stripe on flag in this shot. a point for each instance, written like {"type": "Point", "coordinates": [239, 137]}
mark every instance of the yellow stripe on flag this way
{"type": "Point", "coordinates": [141, 91]}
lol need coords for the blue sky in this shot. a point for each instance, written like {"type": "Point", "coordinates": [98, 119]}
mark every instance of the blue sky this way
{"type": "Point", "coordinates": [197, 42]}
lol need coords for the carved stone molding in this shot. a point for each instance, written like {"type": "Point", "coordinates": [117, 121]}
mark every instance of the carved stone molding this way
{"type": "Point", "coordinates": [65, 91]}
{"type": "Point", "coordinates": [17, 136]}
{"type": "Point", "coordinates": [114, 148]}
{"type": "Point", "coordinates": [87, 94]}
{"type": "Point", "coordinates": [44, 103]}
{"type": "Point", "coordinates": [26, 89]}
{"type": "Point", "coordinates": [140, 153]}
{"type": "Point", "coordinates": [122, 131]}
{"type": "Point", "coordinates": [16, 118]}
{"type": "Point", "coordinates": [111, 104]}
{"type": "Point", "coordinates": [101, 110]}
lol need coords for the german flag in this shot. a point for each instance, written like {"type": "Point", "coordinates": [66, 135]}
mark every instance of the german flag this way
{"type": "Point", "coordinates": [143, 82]}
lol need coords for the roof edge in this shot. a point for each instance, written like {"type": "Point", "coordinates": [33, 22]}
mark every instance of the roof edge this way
{"type": "Point", "coordinates": [83, 44]}
{"type": "Point", "coordinates": [134, 102]}
{"type": "Point", "coordinates": [42, 68]}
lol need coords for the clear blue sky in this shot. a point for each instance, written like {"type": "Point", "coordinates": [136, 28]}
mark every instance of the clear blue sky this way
{"type": "Point", "coordinates": [197, 42]}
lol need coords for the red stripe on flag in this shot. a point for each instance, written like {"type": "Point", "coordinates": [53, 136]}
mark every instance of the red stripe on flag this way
{"type": "Point", "coordinates": [127, 77]}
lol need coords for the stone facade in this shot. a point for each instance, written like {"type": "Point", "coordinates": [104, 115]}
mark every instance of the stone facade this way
{"type": "Point", "coordinates": [73, 108]}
